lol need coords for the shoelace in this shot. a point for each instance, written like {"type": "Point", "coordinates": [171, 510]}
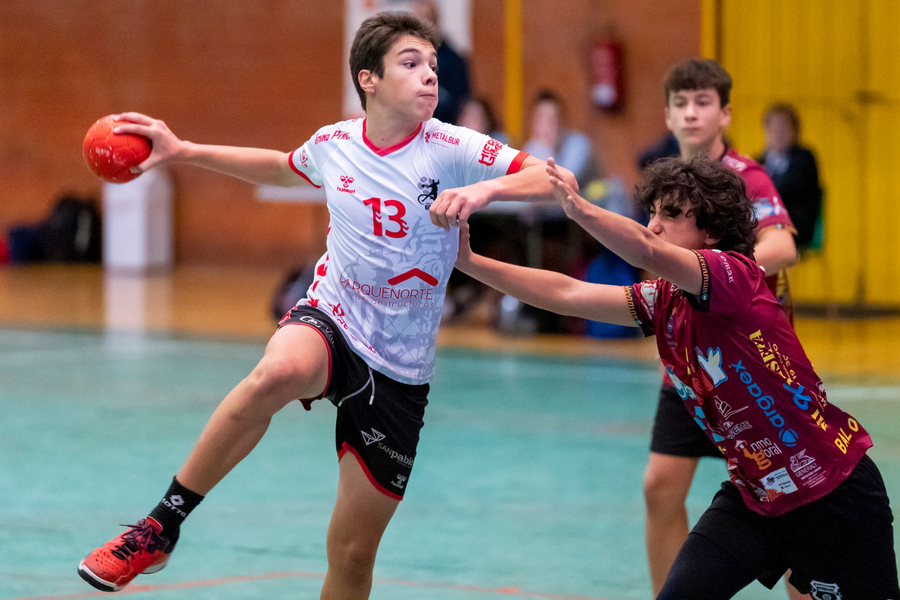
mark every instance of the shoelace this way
{"type": "Point", "coordinates": [141, 536]}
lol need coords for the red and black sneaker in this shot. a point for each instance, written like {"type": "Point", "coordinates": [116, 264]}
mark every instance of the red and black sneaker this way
{"type": "Point", "coordinates": [141, 549]}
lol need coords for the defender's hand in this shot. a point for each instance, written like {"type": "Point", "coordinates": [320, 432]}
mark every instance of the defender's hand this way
{"type": "Point", "coordinates": [564, 194]}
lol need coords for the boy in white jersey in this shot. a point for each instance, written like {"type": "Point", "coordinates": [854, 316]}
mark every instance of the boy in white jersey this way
{"type": "Point", "coordinates": [803, 495]}
{"type": "Point", "coordinates": [364, 336]}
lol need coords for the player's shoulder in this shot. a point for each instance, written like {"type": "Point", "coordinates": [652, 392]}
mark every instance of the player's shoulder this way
{"type": "Point", "coordinates": [754, 174]}
{"type": "Point", "coordinates": [741, 163]}
{"type": "Point", "coordinates": [730, 262]}
{"type": "Point", "coordinates": [437, 134]}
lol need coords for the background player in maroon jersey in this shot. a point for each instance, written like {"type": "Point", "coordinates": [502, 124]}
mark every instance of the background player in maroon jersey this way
{"type": "Point", "coordinates": [698, 111]}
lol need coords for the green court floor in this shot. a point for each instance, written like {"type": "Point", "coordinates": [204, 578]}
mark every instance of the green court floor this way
{"type": "Point", "coordinates": [527, 482]}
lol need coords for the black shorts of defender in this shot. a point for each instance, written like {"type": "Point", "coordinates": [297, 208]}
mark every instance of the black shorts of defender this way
{"type": "Point", "coordinates": [378, 418]}
{"type": "Point", "coordinates": [675, 432]}
{"type": "Point", "coordinates": [840, 546]}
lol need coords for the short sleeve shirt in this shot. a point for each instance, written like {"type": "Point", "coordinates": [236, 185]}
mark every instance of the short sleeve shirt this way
{"type": "Point", "coordinates": [384, 274]}
{"type": "Point", "coordinates": [770, 212]}
{"type": "Point", "coordinates": [741, 372]}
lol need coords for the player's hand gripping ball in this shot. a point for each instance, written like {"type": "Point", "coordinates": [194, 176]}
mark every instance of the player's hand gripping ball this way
{"type": "Point", "coordinates": [111, 156]}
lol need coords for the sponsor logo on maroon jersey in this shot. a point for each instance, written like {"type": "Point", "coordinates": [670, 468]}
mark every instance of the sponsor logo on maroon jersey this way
{"type": "Point", "coordinates": [734, 164]}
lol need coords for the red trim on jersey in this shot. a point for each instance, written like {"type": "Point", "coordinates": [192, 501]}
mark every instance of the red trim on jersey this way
{"type": "Point", "coordinates": [516, 164]}
{"type": "Point", "coordinates": [348, 448]}
{"type": "Point", "coordinates": [394, 148]}
{"type": "Point", "coordinates": [328, 348]}
{"type": "Point", "coordinates": [298, 171]}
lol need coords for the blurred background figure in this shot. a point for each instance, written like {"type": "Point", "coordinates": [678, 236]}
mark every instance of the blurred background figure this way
{"type": "Point", "coordinates": [550, 136]}
{"type": "Point", "coordinates": [793, 170]}
{"type": "Point", "coordinates": [477, 114]}
{"type": "Point", "coordinates": [562, 246]}
{"type": "Point", "coordinates": [662, 148]}
{"type": "Point", "coordinates": [453, 71]}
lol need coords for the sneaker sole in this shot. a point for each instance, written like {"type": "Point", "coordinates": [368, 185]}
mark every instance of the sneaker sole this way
{"type": "Point", "coordinates": [100, 584]}
{"type": "Point", "coordinates": [106, 586]}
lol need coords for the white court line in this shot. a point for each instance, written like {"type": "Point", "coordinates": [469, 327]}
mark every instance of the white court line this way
{"type": "Point", "coordinates": [858, 393]}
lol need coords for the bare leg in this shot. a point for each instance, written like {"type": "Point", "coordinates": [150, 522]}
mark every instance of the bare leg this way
{"type": "Point", "coordinates": [361, 514]}
{"type": "Point", "coordinates": [667, 481]}
{"type": "Point", "coordinates": [295, 365]}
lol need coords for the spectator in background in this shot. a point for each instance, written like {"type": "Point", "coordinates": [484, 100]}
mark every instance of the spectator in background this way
{"type": "Point", "coordinates": [567, 248]}
{"type": "Point", "coordinates": [478, 115]}
{"type": "Point", "coordinates": [550, 136]}
{"type": "Point", "coordinates": [453, 72]}
{"type": "Point", "coordinates": [793, 170]}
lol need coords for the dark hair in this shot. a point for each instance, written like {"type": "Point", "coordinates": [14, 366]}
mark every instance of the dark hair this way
{"type": "Point", "coordinates": [787, 111]}
{"type": "Point", "coordinates": [699, 75]}
{"type": "Point", "coordinates": [708, 190]}
{"type": "Point", "coordinates": [375, 37]}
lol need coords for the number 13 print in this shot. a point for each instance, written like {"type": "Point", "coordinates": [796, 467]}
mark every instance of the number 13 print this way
{"type": "Point", "coordinates": [396, 217]}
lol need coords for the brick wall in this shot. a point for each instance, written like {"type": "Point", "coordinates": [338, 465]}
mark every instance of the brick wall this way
{"type": "Point", "coordinates": [268, 73]}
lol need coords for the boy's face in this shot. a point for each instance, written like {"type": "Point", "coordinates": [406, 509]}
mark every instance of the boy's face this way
{"type": "Point", "coordinates": [545, 123]}
{"type": "Point", "coordinates": [697, 119]}
{"type": "Point", "coordinates": [779, 133]}
{"type": "Point", "coordinates": [671, 224]}
{"type": "Point", "coordinates": [410, 84]}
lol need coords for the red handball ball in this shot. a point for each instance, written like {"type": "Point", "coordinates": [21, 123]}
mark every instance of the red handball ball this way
{"type": "Point", "coordinates": [110, 156]}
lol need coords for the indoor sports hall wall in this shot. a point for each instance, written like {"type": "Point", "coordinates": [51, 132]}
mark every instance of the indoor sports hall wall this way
{"type": "Point", "coordinates": [837, 63]}
{"type": "Point", "coordinates": [268, 74]}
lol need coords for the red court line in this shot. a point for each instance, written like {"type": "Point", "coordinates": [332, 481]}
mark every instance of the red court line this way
{"type": "Point", "coordinates": [138, 589]}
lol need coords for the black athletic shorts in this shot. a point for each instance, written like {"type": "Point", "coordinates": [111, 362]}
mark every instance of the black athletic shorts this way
{"type": "Point", "coordinates": [675, 432]}
{"type": "Point", "coordinates": [378, 418]}
{"type": "Point", "coordinates": [839, 546]}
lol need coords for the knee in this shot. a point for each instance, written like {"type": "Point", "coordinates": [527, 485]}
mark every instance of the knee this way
{"type": "Point", "coordinates": [272, 384]}
{"type": "Point", "coordinates": [353, 558]}
{"type": "Point", "coordinates": [272, 375]}
{"type": "Point", "coordinates": [661, 491]}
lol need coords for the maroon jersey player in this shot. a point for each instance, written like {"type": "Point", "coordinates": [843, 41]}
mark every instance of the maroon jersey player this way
{"type": "Point", "coordinates": [802, 494]}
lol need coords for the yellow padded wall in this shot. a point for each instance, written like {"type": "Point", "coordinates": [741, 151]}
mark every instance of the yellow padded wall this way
{"type": "Point", "coordinates": [836, 62]}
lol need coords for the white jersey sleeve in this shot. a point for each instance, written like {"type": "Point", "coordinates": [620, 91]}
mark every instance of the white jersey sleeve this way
{"type": "Point", "coordinates": [384, 275]}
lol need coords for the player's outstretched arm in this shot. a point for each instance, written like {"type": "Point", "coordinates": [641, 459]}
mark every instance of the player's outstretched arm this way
{"type": "Point", "coordinates": [636, 244]}
{"type": "Point", "coordinates": [255, 165]}
{"type": "Point", "coordinates": [529, 184]}
{"type": "Point", "coordinates": [548, 290]}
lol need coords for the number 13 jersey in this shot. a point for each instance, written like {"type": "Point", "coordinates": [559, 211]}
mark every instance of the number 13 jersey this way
{"type": "Point", "coordinates": [384, 274]}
